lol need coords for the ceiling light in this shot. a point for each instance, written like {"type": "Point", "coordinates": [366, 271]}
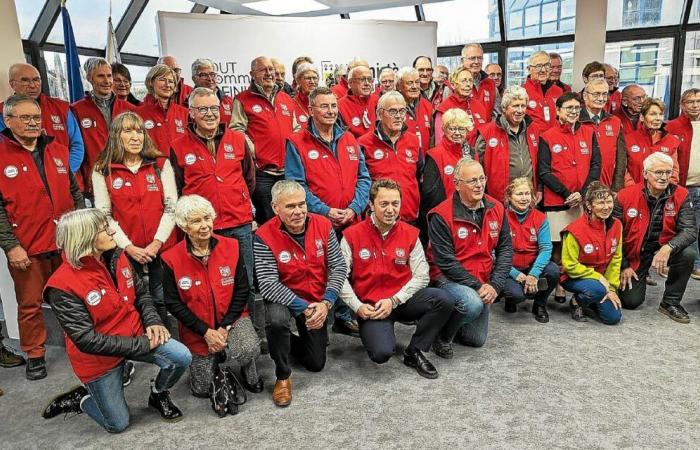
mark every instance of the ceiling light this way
{"type": "Point", "coordinates": [282, 7]}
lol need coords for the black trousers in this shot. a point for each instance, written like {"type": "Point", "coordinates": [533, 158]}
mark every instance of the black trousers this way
{"type": "Point", "coordinates": [680, 266]}
{"type": "Point", "coordinates": [309, 348]}
{"type": "Point", "coordinates": [262, 197]}
{"type": "Point", "coordinates": [431, 307]}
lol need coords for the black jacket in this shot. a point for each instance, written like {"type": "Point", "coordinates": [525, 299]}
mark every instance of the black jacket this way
{"type": "Point", "coordinates": [76, 321]}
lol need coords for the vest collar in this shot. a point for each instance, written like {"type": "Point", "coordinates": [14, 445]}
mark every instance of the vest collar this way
{"type": "Point", "coordinates": [452, 147]}
{"type": "Point", "coordinates": [41, 142]}
{"type": "Point", "coordinates": [213, 242]}
{"type": "Point", "coordinates": [586, 118]}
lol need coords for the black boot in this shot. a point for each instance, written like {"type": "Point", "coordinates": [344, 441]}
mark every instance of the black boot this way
{"type": "Point", "coordinates": [511, 306]}
{"type": "Point", "coordinates": [161, 402]}
{"type": "Point", "coordinates": [577, 311]}
{"type": "Point", "coordinates": [540, 312]}
{"type": "Point", "coordinates": [36, 368]}
{"type": "Point", "coordinates": [415, 358]}
{"type": "Point", "coordinates": [128, 374]}
{"type": "Point", "coordinates": [65, 403]}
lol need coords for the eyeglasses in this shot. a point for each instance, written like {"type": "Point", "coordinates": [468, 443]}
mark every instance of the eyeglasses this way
{"type": "Point", "coordinates": [472, 181]}
{"type": "Point", "coordinates": [638, 99]}
{"type": "Point", "coordinates": [473, 58]}
{"type": "Point", "coordinates": [28, 81]}
{"type": "Point", "coordinates": [597, 94]}
{"type": "Point", "coordinates": [177, 70]}
{"type": "Point", "coordinates": [105, 229]}
{"type": "Point", "coordinates": [396, 112]}
{"type": "Point", "coordinates": [25, 118]}
{"type": "Point", "coordinates": [122, 82]}
{"type": "Point", "coordinates": [571, 109]}
{"type": "Point", "coordinates": [364, 79]}
{"type": "Point", "coordinates": [311, 79]}
{"type": "Point", "coordinates": [461, 130]}
{"type": "Point", "coordinates": [203, 110]}
{"type": "Point", "coordinates": [211, 75]}
{"type": "Point", "coordinates": [327, 106]}
{"type": "Point", "coordinates": [598, 76]}
{"type": "Point", "coordinates": [411, 83]}
{"type": "Point", "coordinates": [612, 79]}
{"type": "Point", "coordinates": [495, 75]}
{"type": "Point", "coordinates": [541, 67]}
{"type": "Point", "coordinates": [660, 173]}
{"type": "Point", "coordinates": [166, 80]}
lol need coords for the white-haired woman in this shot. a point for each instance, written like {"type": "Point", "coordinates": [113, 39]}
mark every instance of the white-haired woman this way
{"type": "Point", "coordinates": [206, 288]}
{"type": "Point", "coordinates": [462, 83]}
{"type": "Point", "coordinates": [106, 312]}
{"type": "Point", "coordinates": [306, 79]}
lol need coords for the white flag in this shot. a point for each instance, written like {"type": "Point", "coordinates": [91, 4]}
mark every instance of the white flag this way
{"type": "Point", "coordinates": [112, 51]}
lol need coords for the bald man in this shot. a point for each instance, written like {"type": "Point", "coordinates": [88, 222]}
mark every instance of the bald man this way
{"type": "Point", "coordinates": [633, 97]}
{"type": "Point", "coordinates": [182, 90]}
{"type": "Point", "coordinates": [56, 117]}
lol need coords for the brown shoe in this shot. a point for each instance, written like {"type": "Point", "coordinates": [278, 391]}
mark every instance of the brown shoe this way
{"type": "Point", "coordinates": [695, 274]}
{"type": "Point", "coordinates": [282, 392]}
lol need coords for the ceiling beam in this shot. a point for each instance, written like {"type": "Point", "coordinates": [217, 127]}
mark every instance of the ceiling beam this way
{"type": "Point", "coordinates": [199, 9]}
{"type": "Point", "coordinates": [45, 22]}
{"type": "Point", "coordinates": [128, 20]}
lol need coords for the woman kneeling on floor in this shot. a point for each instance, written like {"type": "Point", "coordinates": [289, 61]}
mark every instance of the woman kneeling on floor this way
{"type": "Point", "coordinates": [206, 288]}
{"type": "Point", "coordinates": [107, 314]}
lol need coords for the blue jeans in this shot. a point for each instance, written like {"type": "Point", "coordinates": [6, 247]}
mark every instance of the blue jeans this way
{"type": "Point", "coordinates": [590, 292]}
{"type": "Point", "coordinates": [470, 317]}
{"type": "Point", "coordinates": [106, 403]}
{"type": "Point", "coordinates": [694, 193]}
{"type": "Point", "coordinates": [515, 291]}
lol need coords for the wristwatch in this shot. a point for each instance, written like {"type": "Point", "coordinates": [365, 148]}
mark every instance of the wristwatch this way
{"type": "Point", "coordinates": [328, 304]}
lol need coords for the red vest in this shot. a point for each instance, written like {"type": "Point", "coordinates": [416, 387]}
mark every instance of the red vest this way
{"type": "Point", "coordinates": [473, 244]}
{"type": "Point", "coordinates": [137, 201]}
{"type": "Point", "coordinates": [421, 125]}
{"type": "Point", "coordinates": [438, 94]}
{"type": "Point", "coordinates": [301, 102]}
{"type": "Point", "coordinates": [446, 155]}
{"type": "Point", "coordinates": [398, 163]}
{"type": "Point", "coordinates": [331, 179]}
{"type": "Point", "coordinates": [470, 105]}
{"type": "Point", "coordinates": [614, 102]}
{"type": "Point", "coordinates": [636, 215]}
{"type": "Point", "coordinates": [163, 126]}
{"type": "Point", "coordinates": [496, 157]}
{"type": "Point", "coordinates": [607, 133]}
{"type": "Point", "coordinates": [110, 306]}
{"type": "Point", "coordinates": [269, 125]}
{"type": "Point", "coordinates": [206, 290]}
{"type": "Point", "coordinates": [524, 236]}
{"type": "Point", "coordinates": [54, 118]}
{"type": "Point", "coordinates": [303, 270]}
{"type": "Point", "coordinates": [597, 245]}
{"type": "Point", "coordinates": [95, 132]}
{"type": "Point", "coordinates": [356, 114]}
{"type": "Point", "coordinates": [683, 130]}
{"type": "Point", "coordinates": [31, 210]}
{"type": "Point", "coordinates": [218, 180]}
{"type": "Point", "coordinates": [485, 93]}
{"type": "Point", "coordinates": [341, 89]}
{"type": "Point", "coordinates": [627, 125]}
{"type": "Point", "coordinates": [225, 109]}
{"type": "Point", "coordinates": [541, 108]}
{"type": "Point", "coordinates": [570, 158]}
{"type": "Point", "coordinates": [183, 93]}
{"type": "Point", "coordinates": [639, 146]}
{"type": "Point", "coordinates": [380, 267]}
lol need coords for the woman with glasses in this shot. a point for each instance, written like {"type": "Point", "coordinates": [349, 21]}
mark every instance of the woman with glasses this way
{"type": "Point", "coordinates": [533, 275]}
{"type": "Point", "coordinates": [122, 84]}
{"type": "Point", "coordinates": [462, 83]}
{"type": "Point", "coordinates": [568, 161]}
{"type": "Point", "coordinates": [650, 136]}
{"type": "Point", "coordinates": [306, 80]}
{"type": "Point", "coordinates": [441, 160]}
{"type": "Point", "coordinates": [163, 118]}
{"type": "Point", "coordinates": [592, 256]}
{"type": "Point", "coordinates": [135, 187]}
{"type": "Point", "coordinates": [107, 314]}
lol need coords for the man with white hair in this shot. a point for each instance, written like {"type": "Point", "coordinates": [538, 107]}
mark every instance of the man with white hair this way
{"type": "Point", "coordinates": [204, 75]}
{"type": "Point", "coordinates": [659, 225]}
{"type": "Point", "coordinates": [341, 88]}
{"type": "Point", "coordinates": [182, 90]}
{"type": "Point", "coordinates": [484, 87]}
{"type": "Point", "coordinates": [507, 146]}
{"type": "Point", "coordinates": [355, 108]}
{"type": "Point", "coordinates": [387, 83]}
{"type": "Point", "coordinates": [419, 117]}
{"type": "Point", "coordinates": [56, 117]}
{"type": "Point", "coordinates": [435, 92]}
{"type": "Point", "coordinates": [542, 93]}
{"type": "Point", "coordinates": [95, 113]}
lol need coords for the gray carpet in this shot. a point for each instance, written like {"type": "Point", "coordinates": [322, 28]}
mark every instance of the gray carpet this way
{"type": "Point", "coordinates": [558, 385]}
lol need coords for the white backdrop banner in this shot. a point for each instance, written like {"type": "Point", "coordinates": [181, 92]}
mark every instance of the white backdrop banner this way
{"type": "Point", "coordinates": [232, 42]}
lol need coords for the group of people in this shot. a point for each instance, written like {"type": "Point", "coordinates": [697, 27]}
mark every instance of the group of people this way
{"type": "Point", "coordinates": [423, 200]}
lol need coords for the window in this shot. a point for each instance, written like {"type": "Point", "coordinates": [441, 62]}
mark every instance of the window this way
{"type": "Point", "coordinates": [400, 13]}
{"type": "Point", "coordinates": [143, 39]}
{"type": "Point", "coordinates": [56, 74]}
{"type": "Point", "coordinates": [624, 14]}
{"type": "Point", "coordinates": [518, 56]}
{"type": "Point", "coordinates": [452, 62]}
{"type": "Point", "coordinates": [646, 63]}
{"type": "Point", "coordinates": [138, 78]}
{"type": "Point", "coordinates": [27, 13]}
{"type": "Point", "coordinates": [695, 12]}
{"type": "Point", "coordinates": [536, 18]}
{"type": "Point", "coordinates": [212, 11]}
{"type": "Point", "coordinates": [89, 19]}
{"type": "Point", "coordinates": [691, 71]}
{"type": "Point", "coordinates": [463, 21]}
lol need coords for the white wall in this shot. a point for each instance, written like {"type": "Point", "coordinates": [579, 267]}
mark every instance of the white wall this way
{"type": "Point", "coordinates": [11, 49]}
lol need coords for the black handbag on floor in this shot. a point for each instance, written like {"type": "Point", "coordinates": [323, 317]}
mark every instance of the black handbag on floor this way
{"type": "Point", "coordinates": [225, 391]}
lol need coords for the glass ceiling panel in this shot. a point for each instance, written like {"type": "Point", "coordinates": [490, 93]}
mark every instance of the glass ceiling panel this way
{"type": "Point", "coordinates": [143, 39]}
{"type": "Point", "coordinates": [27, 13]}
{"type": "Point", "coordinates": [89, 19]}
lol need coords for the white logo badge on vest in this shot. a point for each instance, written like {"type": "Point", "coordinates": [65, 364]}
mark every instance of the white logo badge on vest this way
{"type": "Point", "coordinates": [313, 154]}
{"type": "Point", "coordinates": [11, 171]}
{"type": "Point", "coordinates": [257, 109]}
{"type": "Point", "coordinates": [378, 154]}
{"type": "Point", "coordinates": [117, 183]}
{"type": "Point", "coordinates": [632, 213]}
{"type": "Point", "coordinates": [352, 155]}
{"type": "Point", "coordinates": [284, 257]}
{"type": "Point", "coordinates": [55, 118]}
{"type": "Point", "coordinates": [303, 118]}
{"type": "Point", "coordinates": [185, 283]}
{"type": "Point", "coordinates": [670, 209]}
{"type": "Point", "coordinates": [462, 232]}
{"type": "Point", "coordinates": [228, 148]}
{"type": "Point", "coordinates": [319, 247]}
{"type": "Point", "coordinates": [60, 167]}
{"type": "Point", "coordinates": [364, 254]}
{"type": "Point", "coordinates": [635, 149]}
{"type": "Point", "coordinates": [150, 178]}
{"type": "Point", "coordinates": [190, 159]}
{"type": "Point", "coordinates": [148, 124]}
{"type": "Point", "coordinates": [86, 123]}
{"type": "Point", "coordinates": [93, 298]}
{"type": "Point", "coordinates": [226, 278]}
{"type": "Point", "coordinates": [556, 148]}
{"type": "Point", "coordinates": [532, 104]}
{"type": "Point", "coordinates": [449, 170]}
{"type": "Point", "coordinates": [588, 248]}
{"type": "Point", "coordinates": [356, 121]}
{"type": "Point", "coordinates": [493, 142]}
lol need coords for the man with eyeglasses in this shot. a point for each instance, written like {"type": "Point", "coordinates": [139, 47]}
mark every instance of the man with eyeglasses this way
{"type": "Point", "coordinates": [633, 97]}
{"type": "Point", "coordinates": [608, 131]}
{"type": "Point", "coordinates": [393, 152]}
{"type": "Point", "coordinates": [542, 92]}
{"type": "Point", "coordinates": [472, 254]}
{"type": "Point", "coordinates": [57, 119]}
{"type": "Point", "coordinates": [612, 77]}
{"type": "Point", "coordinates": [326, 160]}
{"type": "Point", "coordinates": [387, 83]}
{"type": "Point", "coordinates": [95, 112]}
{"type": "Point", "coordinates": [355, 108]}
{"type": "Point", "coordinates": [204, 75]}
{"type": "Point", "coordinates": [432, 90]}
{"type": "Point", "coordinates": [182, 90]}
{"type": "Point", "coordinates": [593, 71]}
{"type": "Point", "coordinates": [687, 128]}
{"type": "Point", "coordinates": [495, 72]}
{"type": "Point", "coordinates": [659, 225]}
{"type": "Point", "coordinates": [484, 87]}
{"type": "Point", "coordinates": [419, 117]}
{"type": "Point", "coordinates": [557, 63]}
{"type": "Point", "coordinates": [267, 117]}
{"type": "Point", "coordinates": [36, 188]}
